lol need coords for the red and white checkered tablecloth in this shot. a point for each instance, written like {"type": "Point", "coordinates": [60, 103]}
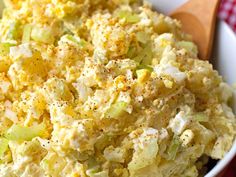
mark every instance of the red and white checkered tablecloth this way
{"type": "Point", "coordinates": [227, 12]}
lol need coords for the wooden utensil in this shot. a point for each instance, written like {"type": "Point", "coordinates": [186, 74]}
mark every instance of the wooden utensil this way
{"type": "Point", "coordinates": [198, 18]}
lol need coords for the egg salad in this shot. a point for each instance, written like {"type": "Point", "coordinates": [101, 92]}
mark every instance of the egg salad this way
{"type": "Point", "coordinates": [106, 88]}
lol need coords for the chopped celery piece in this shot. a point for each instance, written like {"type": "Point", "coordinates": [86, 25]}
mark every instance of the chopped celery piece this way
{"type": "Point", "coordinates": [72, 38]}
{"type": "Point", "coordinates": [133, 18]}
{"type": "Point", "coordinates": [142, 37]}
{"type": "Point", "coordinates": [13, 31]}
{"type": "Point", "coordinates": [5, 49]}
{"type": "Point", "coordinates": [128, 16]}
{"type": "Point", "coordinates": [173, 148]}
{"type": "Point", "coordinates": [77, 40]}
{"type": "Point", "coordinates": [149, 68]}
{"type": "Point", "coordinates": [26, 33]}
{"type": "Point", "coordinates": [83, 43]}
{"type": "Point", "coordinates": [123, 13]}
{"type": "Point", "coordinates": [19, 132]}
{"type": "Point", "coordinates": [189, 46]}
{"type": "Point", "coordinates": [102, 142]}
{"type": "Point", "coordinates": [201, 117]}
{"type": "Point", "coordinates": [3, 146]}
{"type": "Point", "coordinates": [116, 110]}
{"type": "Point", "coordinates": [42, 34]}
{"type": "Point", "coordinates": [138, 58]}
{"type": "Point", "coordinates": [92, 163]}
{"type": "Point", "coordinates": [131, 52]}
{"type": "Point", "coordinates": [80, 156]}
{"type": "Point", "coordinates": [145, 56]}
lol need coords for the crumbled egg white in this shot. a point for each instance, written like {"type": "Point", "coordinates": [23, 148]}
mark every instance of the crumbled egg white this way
{"type": "Point", "coordinates": [179, 123]}
{"type": "Point", "coordinates": [4, 85]}
{"type": "Point", "coordinates": [186, 137]}
{"type": "Point", "coordinates": [22, 50]}
{"type": "Point", "coordinates": [170, 70]}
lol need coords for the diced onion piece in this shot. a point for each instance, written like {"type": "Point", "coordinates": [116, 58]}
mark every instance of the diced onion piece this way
{"type": "Point", "coordinates": [19, 132]}
{"type": "Point", "coordinates": [116, 110]}
{"type": "Point", "coordinates": [26, 33]}
{"type": "Point", "coordinates": [3, 146]}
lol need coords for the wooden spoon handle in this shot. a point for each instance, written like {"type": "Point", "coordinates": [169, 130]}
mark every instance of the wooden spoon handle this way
{"type": "Point", "coordinates": [198, 18]}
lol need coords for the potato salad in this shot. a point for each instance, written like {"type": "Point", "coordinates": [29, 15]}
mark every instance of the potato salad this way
{"type": "Point", "coordinates": [106, 88]}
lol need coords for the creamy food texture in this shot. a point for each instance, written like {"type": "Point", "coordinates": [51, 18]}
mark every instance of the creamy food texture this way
{"type": "Point", "coordinates": [106, 88]}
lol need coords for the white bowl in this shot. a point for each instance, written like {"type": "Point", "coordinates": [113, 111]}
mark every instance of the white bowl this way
{"type": "Point", "coordinates": [223, 60]}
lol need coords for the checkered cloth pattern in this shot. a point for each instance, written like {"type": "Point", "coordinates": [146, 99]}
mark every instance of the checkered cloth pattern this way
{"type": "Point", "coordinates": [227, 12]}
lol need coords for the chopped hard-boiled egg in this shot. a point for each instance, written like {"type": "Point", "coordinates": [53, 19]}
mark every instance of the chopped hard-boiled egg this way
{"type": "Point", "coordinates": [22, 50]}
{"type": "Point", "coordinates": [186, 137]}
{"type": "Point", "coordinates": [179, 123]}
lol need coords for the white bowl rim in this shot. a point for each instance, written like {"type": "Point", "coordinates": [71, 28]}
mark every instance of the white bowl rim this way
{"type": "Point", "coordinates": [223, 163]}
